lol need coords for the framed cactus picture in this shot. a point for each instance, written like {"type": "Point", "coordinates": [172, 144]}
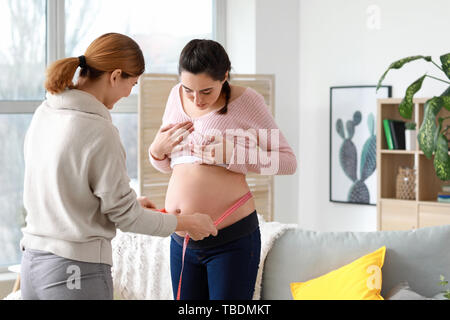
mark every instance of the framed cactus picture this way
{"type": "Point", "coordinates": [353, 118]}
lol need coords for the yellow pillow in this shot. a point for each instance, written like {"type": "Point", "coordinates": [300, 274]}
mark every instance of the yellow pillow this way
{"type": "Point", "coordinates": [359, 280]}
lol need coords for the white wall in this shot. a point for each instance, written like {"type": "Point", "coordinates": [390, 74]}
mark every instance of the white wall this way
{"type": "Point", "coordinates": [262, 38]}
{"type": "Point", "coordinates": [277, 43]}
{"type": "Point", "coordinates": [240, 35]}
{"type": "Point", "coordinates": [311, 45]}
{"type": "Point", "coordinates": [337, 48]}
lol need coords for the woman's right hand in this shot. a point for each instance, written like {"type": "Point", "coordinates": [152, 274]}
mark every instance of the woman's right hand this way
{"type": "Point", "coordinates": [197, 225]}
{"type": "Point", "coordinates": [168, 137]}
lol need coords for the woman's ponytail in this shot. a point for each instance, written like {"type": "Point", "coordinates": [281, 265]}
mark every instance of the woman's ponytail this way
{"type": "Point", "coordinates": [107, 53]}
{"type": "Point", "coordinates": [60, 75]}
{"type": "Point", "coordinates": [226, 89]}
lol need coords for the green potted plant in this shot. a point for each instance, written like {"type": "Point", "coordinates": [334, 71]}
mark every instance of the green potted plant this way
{"type": "Point", "coordinates": [432, 133]}
{"type": "Point", "coordinates": [444, 284]}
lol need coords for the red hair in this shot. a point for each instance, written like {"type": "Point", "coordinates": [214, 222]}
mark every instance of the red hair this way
{"type": "Point", "coordinates": [107, 53]}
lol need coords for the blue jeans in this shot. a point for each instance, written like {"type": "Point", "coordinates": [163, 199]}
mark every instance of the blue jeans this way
{"type": "Point", "coordinates": [224, 272]}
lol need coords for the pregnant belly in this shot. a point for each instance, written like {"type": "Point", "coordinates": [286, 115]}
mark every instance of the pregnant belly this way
{"type": "Point", "coordinates": [207, 189]}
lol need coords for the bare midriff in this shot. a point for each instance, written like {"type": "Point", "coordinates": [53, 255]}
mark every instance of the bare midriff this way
{"type": "Point", "coordinates": [207, 189]}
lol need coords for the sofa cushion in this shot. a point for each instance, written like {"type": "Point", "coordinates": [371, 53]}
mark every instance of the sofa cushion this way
{"type": "Point", "coordinates": [403, 292]}
{"type": "Point", "coordinates": [358, 280]}
{"type": "Point", "coordinates": [416, 256]}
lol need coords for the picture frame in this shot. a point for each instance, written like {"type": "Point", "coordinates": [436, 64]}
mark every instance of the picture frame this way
{"type": "Point", "coordinates": [353, 119]}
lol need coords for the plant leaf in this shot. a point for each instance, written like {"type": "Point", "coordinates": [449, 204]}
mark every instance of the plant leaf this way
{"type": "Point", "coordinates": [406, 106]}
{"type": "Point", "coordinates": [357, 117]}
{"type": "Point", "coordinates": [400, 63]}
{"type": "Point", "coordinates": [410, 126]}
{"type": "Point", "coordinates": [371, 123]}
{"type": "Point", "coordinates": [350, 129]}
{"type": "Point", "coordinates": [446, 102]}
{"type": "Point", "coordinates": [446, 93]}
{"type": "Point", "coordinates": [442, 281]}
{"type": "Point", "coordinates": [340, 128]}
{"type": "Point", "coordinates": [428, 130]}
{"type": "Point", "coordinates": [368, 158]}
{"type": "Point", "coordinates": [442, 159]}
{"type": "Point", "coordinates": [445, 60]}
{"type": "Point", "coordinates": [348, 159]}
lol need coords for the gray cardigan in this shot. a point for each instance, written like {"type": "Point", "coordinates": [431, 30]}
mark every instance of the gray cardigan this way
{"type": "Point", "coordinates": [76, 188]}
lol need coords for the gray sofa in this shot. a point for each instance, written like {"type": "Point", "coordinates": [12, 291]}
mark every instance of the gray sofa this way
{"type": "Point", "coordinates": [417, 256]}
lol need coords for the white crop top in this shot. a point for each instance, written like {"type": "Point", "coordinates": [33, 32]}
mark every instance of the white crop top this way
{"type": "Point", "coordinates": [189, 159]}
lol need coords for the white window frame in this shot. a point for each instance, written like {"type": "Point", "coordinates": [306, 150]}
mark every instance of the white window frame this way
{"type": "Point", "coordinates": [55, 27]}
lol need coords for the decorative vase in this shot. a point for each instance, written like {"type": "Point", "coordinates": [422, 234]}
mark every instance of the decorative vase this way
{"type": "Point", "coordinates": [406, 184]}
{"type": "Point", "coordinates": [410, 139]}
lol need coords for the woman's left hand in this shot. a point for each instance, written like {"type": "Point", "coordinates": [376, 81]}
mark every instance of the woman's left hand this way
{"type": "Point", "coordinates": [216, 150]}
{"type": "Point", "coordinates": [146, 203]}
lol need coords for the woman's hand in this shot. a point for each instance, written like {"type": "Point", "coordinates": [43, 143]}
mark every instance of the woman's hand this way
{"type": "Point", "coordinates": [146, 203]}
{"type": "Point", "coordinates": [197, 225]}
{"type": "Point", "coordinates": [168, 137]}
{"type": "Point", "coordinates": [216, 150]}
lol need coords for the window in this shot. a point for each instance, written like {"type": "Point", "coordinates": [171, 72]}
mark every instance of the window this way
{"type": "Point", "coordinates": [37, 32]}
{"type": "Point", "coordinates": [127, 124]}
{"type": "Point", "coordinates": [22, 49]}
{"type": "Point", "coordinates": [161, 28]}
{"type": "Point", "coordinates": [12, 213]}
{"type": "Point", "coordinates": [22, 52]}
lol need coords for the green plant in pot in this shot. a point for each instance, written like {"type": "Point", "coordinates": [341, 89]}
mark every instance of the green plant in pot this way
{"type": "Point", "coordinates": [444, 284]}
{"type": "Point", "coordinates": [432, 133]}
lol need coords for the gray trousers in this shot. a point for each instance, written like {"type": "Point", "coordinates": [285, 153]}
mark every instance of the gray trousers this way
{"type": "Point", "coordinates": [45, 276]}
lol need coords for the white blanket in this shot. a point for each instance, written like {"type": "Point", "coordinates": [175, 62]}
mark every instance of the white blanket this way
{"type": "Point", "coordinates": [142, 268]}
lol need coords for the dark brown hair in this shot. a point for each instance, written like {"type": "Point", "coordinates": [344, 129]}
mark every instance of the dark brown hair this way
{"type": "Point", "coordinates": [207, 56]}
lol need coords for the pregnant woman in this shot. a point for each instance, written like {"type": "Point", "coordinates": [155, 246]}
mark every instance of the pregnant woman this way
{"type": "Point", "coordinates": [223, 132]}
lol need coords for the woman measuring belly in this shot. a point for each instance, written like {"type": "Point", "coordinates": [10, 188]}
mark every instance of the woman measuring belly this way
{"type": "Point", "coordinates": [209, 189]}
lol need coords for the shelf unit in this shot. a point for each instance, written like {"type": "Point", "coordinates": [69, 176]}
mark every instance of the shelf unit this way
{"type": "Point", "coordinates": [424, 211]}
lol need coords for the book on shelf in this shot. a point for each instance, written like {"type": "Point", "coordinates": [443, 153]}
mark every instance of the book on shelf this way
{"type": "Point", "coordinates": [444, 200]}
{"type": "Point", "coordinates": [443, 197]}
{"type": "Point", "coordinates": [398, 134]}
{"type": "Point", "coordinates": [446, 188]}
{"type": "Point", "coordinates": [387, 133]}
{"type": "Point", "coordinates": [394, 131]}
